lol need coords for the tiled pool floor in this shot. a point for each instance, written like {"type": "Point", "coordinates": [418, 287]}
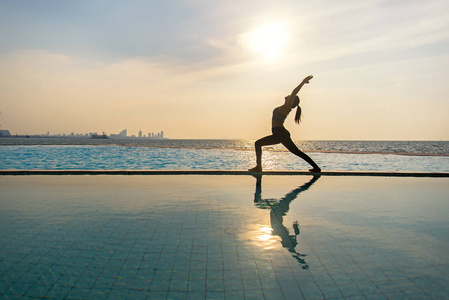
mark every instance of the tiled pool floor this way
{"type": "Point", "coordinates": [223, 237]}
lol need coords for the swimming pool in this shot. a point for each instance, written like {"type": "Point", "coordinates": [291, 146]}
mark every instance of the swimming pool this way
{"type": "Point", "coordinates": [197, 236]}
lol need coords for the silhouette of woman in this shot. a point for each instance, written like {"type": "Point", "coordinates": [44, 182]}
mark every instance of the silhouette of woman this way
{"type": "Point", "coordinates": [278, 210]}
{"type": "Point", "coordinates": [280, 134]}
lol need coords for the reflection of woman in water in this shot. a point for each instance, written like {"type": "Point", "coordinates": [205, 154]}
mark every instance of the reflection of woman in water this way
{"type": "Point", "coordinates": [278, 209]}
{"type": "Point", "coordinates": [280, 134]}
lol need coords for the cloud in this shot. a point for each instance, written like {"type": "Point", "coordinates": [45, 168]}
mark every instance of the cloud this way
{"type": "Point", "coordinates": [372, 27]}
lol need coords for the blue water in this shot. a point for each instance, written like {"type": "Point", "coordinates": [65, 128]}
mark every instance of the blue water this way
{"type": "Point", "coordinates": [223, 155]}
{"type": "Point", "coordinates": [409, 147]}
{"type": "Point", "coordinates": [211, 237]}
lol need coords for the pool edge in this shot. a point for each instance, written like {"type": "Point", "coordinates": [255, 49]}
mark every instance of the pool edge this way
{"type": "Point", "coordinates": [220, 172]}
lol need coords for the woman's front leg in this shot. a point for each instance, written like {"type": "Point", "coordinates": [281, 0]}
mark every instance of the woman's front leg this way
{"type": "Point", "coordinates": [266, 141]}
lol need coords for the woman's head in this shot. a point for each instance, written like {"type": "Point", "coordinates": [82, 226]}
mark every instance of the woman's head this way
{"type": "Point", "coordinates": [298, 108]}
{"type": "Point", "coordinates": [295, 101]}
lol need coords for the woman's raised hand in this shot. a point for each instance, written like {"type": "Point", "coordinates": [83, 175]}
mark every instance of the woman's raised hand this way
{"type": "Point", "coordinates": [307, 79]}
{"type": "Point", "coordinates": [296, 90]}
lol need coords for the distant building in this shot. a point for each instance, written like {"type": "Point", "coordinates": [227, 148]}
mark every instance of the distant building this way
{"type": "Point", "coordinates": [4, 133]}
{"type": "Point", "coordinates": [151, 135]}
{"type": "Point", "coordinates": [122, 134]}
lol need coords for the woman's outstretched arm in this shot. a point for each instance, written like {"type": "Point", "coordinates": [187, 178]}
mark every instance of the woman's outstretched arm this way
{"type": "Point", "coordinates": [296, 90]}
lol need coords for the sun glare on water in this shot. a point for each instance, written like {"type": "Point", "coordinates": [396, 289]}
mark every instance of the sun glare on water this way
{"type": "Point", "coordinates": [268, 39]}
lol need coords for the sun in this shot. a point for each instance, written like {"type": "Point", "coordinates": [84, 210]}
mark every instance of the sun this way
{"type": "Point", "coordinates": [268, 39]}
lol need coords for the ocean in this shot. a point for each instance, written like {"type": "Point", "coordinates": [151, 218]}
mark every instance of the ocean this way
{"type": "Point", "coordinates": [177, 154]}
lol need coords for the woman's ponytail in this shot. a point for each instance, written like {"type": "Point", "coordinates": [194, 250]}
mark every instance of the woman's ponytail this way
{"type": "Point", "coordinates": [298, 114]}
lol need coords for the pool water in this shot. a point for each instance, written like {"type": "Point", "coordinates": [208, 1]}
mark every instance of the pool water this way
{"type": "Point", "coordinates": [224, 237]}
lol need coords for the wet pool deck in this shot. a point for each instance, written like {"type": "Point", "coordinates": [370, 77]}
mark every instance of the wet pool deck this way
{"type": "Point", "coordinates": [177, 236]}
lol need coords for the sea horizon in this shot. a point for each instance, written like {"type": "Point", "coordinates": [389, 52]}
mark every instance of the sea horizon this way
{"type": "Point", "coordinates": [207, 154]}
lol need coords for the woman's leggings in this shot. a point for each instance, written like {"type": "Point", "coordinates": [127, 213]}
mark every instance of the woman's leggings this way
{"type": "Point", "coordinates": [280, 135]}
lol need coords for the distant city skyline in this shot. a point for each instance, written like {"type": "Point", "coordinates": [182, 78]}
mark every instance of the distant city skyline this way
{"type": "Point", "coordinates": [122, 134]}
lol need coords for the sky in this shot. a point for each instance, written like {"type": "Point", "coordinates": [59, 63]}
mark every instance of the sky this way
{"type": "Point", "coordinates": [200, 69]}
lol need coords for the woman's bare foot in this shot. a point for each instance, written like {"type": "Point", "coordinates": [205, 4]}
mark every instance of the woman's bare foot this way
{"type": "Point", "coordinates": [315, 170]}
{"type": "Point", "coordinates": [256, 169]}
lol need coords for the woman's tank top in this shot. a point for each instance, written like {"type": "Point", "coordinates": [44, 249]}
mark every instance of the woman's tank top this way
{"type": "Point", "coordinates": [278, 117]}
